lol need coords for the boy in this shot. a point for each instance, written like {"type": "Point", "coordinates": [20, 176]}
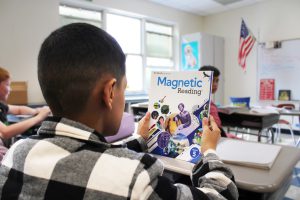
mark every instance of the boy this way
{"type": "Point", "coordinates": [81, 71]}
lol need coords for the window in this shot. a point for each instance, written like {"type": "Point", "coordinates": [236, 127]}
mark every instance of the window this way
{"type": "Point", "coordinates": [70, 15]}
{"type": "Point", "coordinates": [159, 49]}
{"type": "Point", "coordinates": [149, 46]}
{"type": "Point", "coordinates": [159, 45]}
{"type": "Point", "coordinates": [127, 31]}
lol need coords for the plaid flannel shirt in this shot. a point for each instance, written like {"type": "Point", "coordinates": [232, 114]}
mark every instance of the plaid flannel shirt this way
{"type": "Point", "coordinates": [68, 160]}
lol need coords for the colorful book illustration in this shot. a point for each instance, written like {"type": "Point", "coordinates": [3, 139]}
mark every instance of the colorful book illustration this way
{"type": "Point", "coordinates": [178, 101]}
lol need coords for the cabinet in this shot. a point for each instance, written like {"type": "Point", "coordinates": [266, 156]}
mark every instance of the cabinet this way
{"type": "Point", "coordinates": [208, 50]}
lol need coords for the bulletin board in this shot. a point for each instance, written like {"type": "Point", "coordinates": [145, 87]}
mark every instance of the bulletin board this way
{"type": "Point", "coordinates": [283, 65]}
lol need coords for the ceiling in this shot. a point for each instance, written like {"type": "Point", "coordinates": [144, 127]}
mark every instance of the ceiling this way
{"type": "Point", "coordinates": [205, 7]}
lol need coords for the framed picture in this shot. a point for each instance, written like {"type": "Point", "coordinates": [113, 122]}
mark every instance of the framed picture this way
{"type": "Point", "coordinates": [190, 56]}
{"type": "Point", "coordinates": [266, 90]}
{"type": "Point", "coordinates": [284, 95]}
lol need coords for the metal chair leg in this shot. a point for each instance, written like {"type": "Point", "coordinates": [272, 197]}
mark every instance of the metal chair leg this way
{"type": "Point", "coordinates": [292, 134]}
{"type": "Point", "coordinates": [298, 143]}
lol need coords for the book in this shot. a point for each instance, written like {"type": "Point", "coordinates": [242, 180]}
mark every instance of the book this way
{"type": "Point", "coordinates": [178, 101]}
{"type": "Point", "coordinates": [249, 154]}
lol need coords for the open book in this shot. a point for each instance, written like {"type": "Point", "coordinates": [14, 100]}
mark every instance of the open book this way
{"type": "Point", "coordinates": [178, 101]}
{"type": "Point", "coordinates": [251, 154]}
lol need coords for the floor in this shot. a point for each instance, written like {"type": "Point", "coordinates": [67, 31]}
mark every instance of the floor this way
{"type": "Point", "coordinates": [293, 192]}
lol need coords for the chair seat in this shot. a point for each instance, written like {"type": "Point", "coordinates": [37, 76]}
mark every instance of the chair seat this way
{"type": "Point", "coordinates": [230, 135]}
{"type": "Point", "coordinates": [283, 121]}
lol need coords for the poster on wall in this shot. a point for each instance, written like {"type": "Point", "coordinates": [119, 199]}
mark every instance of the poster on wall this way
{"type": "Point", "coordinates": [190, 56]}
{"type": "Point", "coordinates": [284, 95]}
{"type": "Point", "coordinates": [266, 89]}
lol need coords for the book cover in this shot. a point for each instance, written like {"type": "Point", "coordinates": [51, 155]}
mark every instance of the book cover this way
{"type": "Point", "coordinates": [178, 101]}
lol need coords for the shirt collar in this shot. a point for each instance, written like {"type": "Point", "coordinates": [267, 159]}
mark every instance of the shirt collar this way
{"type": "Point", "coordinates": [59, 126]}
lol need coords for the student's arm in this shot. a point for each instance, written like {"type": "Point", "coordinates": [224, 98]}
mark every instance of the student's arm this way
{"type": "Point", "coordinates": [210, 177]}
{"type": "Point", "coordinates": [21, 110]}
{"type": "Point", "coordinates": [211, 180]}
{"type": "Point", "coordinates": [20, 127]}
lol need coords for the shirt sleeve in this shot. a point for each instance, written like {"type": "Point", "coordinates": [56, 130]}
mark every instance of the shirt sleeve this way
{"type": "Point", "coordinates": [211, 180]}
{"type": "Point", "coordinates": [214, 178]}
{"type": "Point", "coordinates": [138, 144]}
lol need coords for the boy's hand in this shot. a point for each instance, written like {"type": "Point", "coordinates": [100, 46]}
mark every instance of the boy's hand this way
{"type": "Point", "coordinates": [143, 127]}
{"type": "Point", "coordinates": [210, 135]}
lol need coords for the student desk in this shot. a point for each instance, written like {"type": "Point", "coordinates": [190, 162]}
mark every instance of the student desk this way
{"type": "Point", "coordinates": [15, 119]}
{"type": "Point", "coordinates": [139, 110]}
{"type": "Point", "coordinates": [253, 183]}
{"type": "Point", "coordinates": [134, 99]}
{"type": "Point", "coordinates": [290, 112]}
{"type": "Point", "coordinates": [243, 118]}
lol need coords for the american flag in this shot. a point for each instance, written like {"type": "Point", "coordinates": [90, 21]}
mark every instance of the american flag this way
{"type": "Point", "coordinates": [247, 41]}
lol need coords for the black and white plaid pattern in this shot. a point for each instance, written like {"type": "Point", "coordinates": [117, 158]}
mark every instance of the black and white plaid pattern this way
{"type": "Point", "coordinates": [68, 160]}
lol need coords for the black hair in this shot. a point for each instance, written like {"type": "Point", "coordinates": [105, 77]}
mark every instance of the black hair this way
{"type": "Point", "coordinates": [70, 62]}
{"type": "Point", "coordinates": [210, 68]}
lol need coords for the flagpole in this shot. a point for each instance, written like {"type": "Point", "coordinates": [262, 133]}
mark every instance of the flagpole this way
{"type": "Point", "coordinates": [245, 69]}
{"type": "Point", "coordinates": [257, 66]}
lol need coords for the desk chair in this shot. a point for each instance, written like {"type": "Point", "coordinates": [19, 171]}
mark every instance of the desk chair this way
{"type": "Point", "coordinates": [243, 102]}
{"type": "Point", "coordinates": [281, 122]}
{"type": "Point", "coordinates": [240, 101]}
{"type": "Point", "coordinates": [126, 128]}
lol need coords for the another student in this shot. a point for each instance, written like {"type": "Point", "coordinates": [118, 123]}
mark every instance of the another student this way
{"type": "Point", "coordinates": [7, 131]}
{"type": "Point", "coordinates": [215, 85]}
{"type": "Point", "coordinates": [81, 71]}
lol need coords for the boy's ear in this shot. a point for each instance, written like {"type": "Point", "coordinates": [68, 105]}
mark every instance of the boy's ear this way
{"type": "Point", "coordinates": [109, 93]}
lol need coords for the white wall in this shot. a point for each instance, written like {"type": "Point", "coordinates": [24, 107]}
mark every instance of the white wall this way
{"type": "Point", "coordinates": [23, 28]}
{"type": "Point", "coordinates": [25, 25]}
{"type": "Point", "coordinates": [269, 20]}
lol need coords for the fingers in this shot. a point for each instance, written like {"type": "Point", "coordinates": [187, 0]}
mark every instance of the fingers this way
{"type": "Point", "coordinates": [145, 119]}
{"type": "Point", "coordinates": [205, 121]}
{"type": "Point", "coordinates": [205, 124]}
{"type": "Point", "coordinates": [209, 125]}
{"type": "Point", "coordinates": [213, 123]}
{"type": "Point", "coordinates": [143, 126]}
{"type": "Point", "coordinates": [147, 116]}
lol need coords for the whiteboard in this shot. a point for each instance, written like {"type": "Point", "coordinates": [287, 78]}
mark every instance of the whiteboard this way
{"type": "Point", "coordinates": [283, 65]}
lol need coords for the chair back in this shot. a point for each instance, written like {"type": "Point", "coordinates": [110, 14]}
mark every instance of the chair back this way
{"type": "Point", "coordinates": [288, 106]}
{"type": "Point", "coordinates": [126, 128]}
{"type": "Point", "coordinates": [240, 101]}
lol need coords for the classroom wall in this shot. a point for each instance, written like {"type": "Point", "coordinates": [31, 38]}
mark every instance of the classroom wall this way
{"type": "Point", "coordinates": [25, 25]}
{"type": "Point", "coordinates": [268, 20]}
{"type": "Point", "coordinates": [23, 28]}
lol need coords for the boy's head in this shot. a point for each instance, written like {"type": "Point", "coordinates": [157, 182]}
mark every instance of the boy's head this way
{"type": "Point", "coordinates": [81, 70]}
{"type": "Point", "coordinates": [216, 72]}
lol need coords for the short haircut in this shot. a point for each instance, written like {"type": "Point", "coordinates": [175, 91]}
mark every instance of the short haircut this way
{"type": "Point", "coordinates": [70, 62]}
{"type": "Point", "coordinates": [210, 68]}
{"type": "Point", "coordinates": [4, 74]}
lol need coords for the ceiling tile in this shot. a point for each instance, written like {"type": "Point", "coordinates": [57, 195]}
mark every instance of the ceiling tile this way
{"type": "Point", "coordinates": [205, 7]}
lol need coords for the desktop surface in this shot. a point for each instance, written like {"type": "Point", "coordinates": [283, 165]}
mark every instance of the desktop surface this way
{"type": "Point", "coordinates": [249, 178]}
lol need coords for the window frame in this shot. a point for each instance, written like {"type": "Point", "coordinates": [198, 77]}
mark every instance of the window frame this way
{"type": "Point", "coordinates": [144, 19]}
